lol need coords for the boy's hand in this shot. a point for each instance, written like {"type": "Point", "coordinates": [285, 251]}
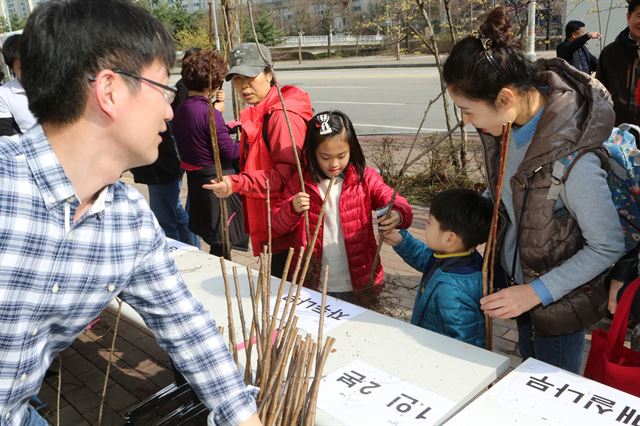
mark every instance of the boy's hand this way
{"type": "Point", "coordinates": [392, 237]}
{"type": "Point", "coordinates": [388, 223]}
{"type": "Point", "coordinates": [220, 189]}
{"type": "Point", "coordinates": [301, 202]}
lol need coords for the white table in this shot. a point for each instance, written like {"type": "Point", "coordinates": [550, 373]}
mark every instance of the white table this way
{"type": "Point", "coordinates": [562, 398]}
{"type": "Point", "coordinates": [435, 363]}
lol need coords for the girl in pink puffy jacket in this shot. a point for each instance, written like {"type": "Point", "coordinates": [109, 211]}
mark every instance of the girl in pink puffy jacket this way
{"type": "Point", "coordinates": [346, 240]}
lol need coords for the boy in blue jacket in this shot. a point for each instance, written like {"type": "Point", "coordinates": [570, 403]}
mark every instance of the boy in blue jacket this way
{"type": "Point", "coordinates": [448, 299]}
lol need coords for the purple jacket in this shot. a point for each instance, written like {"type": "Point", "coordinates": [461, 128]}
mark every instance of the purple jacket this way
{"type": "Point", "coordinates": [191, 130]}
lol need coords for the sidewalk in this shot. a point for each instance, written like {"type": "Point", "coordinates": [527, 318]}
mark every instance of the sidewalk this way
{"type": "Point", "coordinates": [354, 62]}
{"type": "Point", "coordinates": [379, 61]}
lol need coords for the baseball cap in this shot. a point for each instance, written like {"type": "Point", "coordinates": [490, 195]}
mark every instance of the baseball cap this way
{"type": "Point", "coordinates": [246, 60]}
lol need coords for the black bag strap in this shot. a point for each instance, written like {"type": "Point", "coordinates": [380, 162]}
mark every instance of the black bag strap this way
{"type": "Point", "coordinates": [265, 131]}
{"type": "Point", "coordinates": [15, 125]}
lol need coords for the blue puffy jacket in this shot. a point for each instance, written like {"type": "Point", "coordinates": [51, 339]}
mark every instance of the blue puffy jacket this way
{"type": "Point", "coordinates": [448, 299]}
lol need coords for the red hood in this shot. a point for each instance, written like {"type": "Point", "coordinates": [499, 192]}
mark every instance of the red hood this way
{"type": "Point", "coordinates": [295, 100]}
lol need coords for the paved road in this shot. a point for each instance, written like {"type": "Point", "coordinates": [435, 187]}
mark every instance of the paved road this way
{"type": "Point", "coordinates": [379, 101]}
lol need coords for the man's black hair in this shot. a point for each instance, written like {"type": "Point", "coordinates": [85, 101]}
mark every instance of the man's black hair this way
{"type": "Point", "coordinates": [633, 4]}
{"type": "Point", "coordinates": [465, 212]}
{"type": "Point", "coordinates": [67, 42]}
{"type": "Point", "coordinates": [10, 51]}
{"type": "Point", "coordinates": [572, 27]}
{"type": "Point", "coordinates": [340, 124]}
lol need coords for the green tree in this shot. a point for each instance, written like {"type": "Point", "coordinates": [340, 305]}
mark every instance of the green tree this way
{"type": "Point", "coordinates": [266, 30]}
{"type": "Point", "coordinates": [174, 17]}
{"type": "Point", "coordinates": [4, 24]}
{"type": "Point", "coordinates": [17, 23]}
{"type": "Point", "coordinates": [147, 4]}
{"type": "Point", "coordinates": [186, 39]}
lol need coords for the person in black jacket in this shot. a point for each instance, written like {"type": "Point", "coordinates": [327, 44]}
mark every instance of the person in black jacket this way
{"type": "Point", "coordinates": [574, 50]}
{"type": "Point", "coordinates": [164, 179]}
{"type": "Point", "coordinates": [619, 68]}
{"type": "Point", "coordinates": [15, 116]}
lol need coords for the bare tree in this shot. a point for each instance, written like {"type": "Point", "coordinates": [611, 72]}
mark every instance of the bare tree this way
{"type": "Point", "coordinates": [431, 42]}
{"type": "Point", "coordinates": [394, 18]}
{"type": "Point", "coordinates": [233, 39]}
{"type": "Point", "coordinates": [302, 15]}
{"type": "Point", "coordinates": [232, 21]}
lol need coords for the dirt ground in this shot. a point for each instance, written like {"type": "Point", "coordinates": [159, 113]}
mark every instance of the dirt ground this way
{"type": "Point", "coordinates": [433, 172]}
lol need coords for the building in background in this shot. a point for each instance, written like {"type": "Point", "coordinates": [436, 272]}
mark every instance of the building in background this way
{"type": "Point", "coordinates": [4, 9]}
{"type": "Point", "coordinates": [316, 16]}
{"type": "Point", "coordinates": [19, 8]}
{"type": "Point", "coordinates": [192, 5]}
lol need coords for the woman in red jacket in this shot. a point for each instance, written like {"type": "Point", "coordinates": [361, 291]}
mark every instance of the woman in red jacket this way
{"type": "Point", "coordinates": [346, 241]}
{"type": "Point", "coordinates": [263, 160]}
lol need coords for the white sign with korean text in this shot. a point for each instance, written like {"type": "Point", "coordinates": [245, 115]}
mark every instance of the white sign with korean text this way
{"type": "Point", "coordinates": [359, 394]}
{"type": "Point", "coordinates": [554, 395]}
{"type": "Point", "coordinates": [308, 311]}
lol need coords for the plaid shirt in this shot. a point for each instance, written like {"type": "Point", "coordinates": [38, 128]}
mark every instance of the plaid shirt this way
{"type": "Point", "coordinates": [57, 275]}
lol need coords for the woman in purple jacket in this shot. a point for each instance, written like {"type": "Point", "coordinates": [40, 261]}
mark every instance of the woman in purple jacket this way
{"type": "Point", "coordinates": [192, 132]}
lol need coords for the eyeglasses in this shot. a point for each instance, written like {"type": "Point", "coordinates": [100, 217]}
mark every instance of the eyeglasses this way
{"type": "Point", "coordinates": [169, 93]}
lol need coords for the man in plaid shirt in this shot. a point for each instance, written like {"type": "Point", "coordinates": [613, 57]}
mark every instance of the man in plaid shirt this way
{"type": "Point", "coordinates": [72, 237]}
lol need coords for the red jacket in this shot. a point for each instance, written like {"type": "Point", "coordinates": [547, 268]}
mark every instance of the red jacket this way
{"type": "Point", "coordinates": [259, 163]}
{"type": "Point", "coordinates": [357, 200]}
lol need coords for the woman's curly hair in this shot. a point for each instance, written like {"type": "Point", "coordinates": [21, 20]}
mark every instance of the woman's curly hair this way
{"type": "Point", "coordinates": [200, 66]}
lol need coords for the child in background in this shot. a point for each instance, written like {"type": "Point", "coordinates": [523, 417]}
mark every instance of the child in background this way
{"type": "Point", "coordinates": [448, 299]}
{"type": "Point", "coordinates": [346, 241]}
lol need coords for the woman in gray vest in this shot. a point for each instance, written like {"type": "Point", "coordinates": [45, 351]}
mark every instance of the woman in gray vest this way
{"type": "Point", "coordinates": [555, 246]}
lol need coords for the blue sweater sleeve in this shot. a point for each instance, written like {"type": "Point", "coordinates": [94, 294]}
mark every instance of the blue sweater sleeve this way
{"type": "Point", "coordinates": [542, 292]}
{"type": "Point", "coordinates": [413, 251]}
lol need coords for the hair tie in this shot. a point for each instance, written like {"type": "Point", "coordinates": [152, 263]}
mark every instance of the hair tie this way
{"type": "Point", "coordinates": [322, 122]}
{"type": "Point", "coordinates": [487, 44]}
